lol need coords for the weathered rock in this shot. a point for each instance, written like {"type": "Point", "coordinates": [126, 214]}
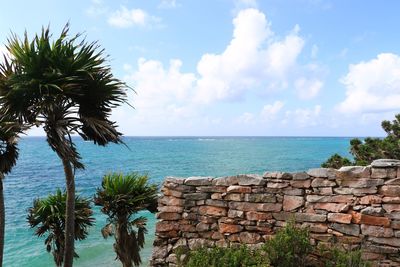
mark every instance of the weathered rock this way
{"type": "Point", "coordinates": [354, 172]}
{"type": "Point", "coordinates": [301, 183]}
{"type": "Point", "coordinates": [198, 181]}
{"type": "Point", "coordinates": [330, 199]}
{"type": "Point", "coordinates": [277, 185]}
{"type": "Point", "coordinates": [355, 191]}
{"type": "Point", "coordinates": [348, 229]}
{"type": "Point", "coordinates": [226, 181]}
{"type": "Point", "coordinates": [233, 197]}
{"type": "Point", "coordinates": [293, 191]}
{"type": "Point", "coordinates": [202, 227]}
{"type": "Point", "coordinates": [376, 231]}
{"type": "Point", "coordinates": [198, 243]}
{"type": "Point", "coordinates": [235, 213]}
{"type": "Point", "coordinates": [174, 180]}
{"type": "Point", "coordinates": [229, 228]}
{"type": "Point", "coordinates": [322, 172]}
{"type": "Point", "coordinates": [300, 176]}
{"type": "Point", "coordinates": [170, 192]}
{"type": "Point", "coordinates": [395, 225]}
{"type": "Point", "coordinates": [393, 241]}
{"type": "Point", "coordinates": [378, 211]}
{"type": "Point", "coordinates": [216, 203]}
{"type": "Point", "coordinates": [238, 189]}
{"type": "Point", "coordinates": [381, 249]}
{"type": "Point", "coordinates": [315, 227]}
{"type": "Point", "coordinates": [177, 209]}
{"type": "Point", "coordinates": [390, 190]}
{"type": "Point", "coordinates": [169, 216]}
{"type": "Point", "coordinates": [171, 201]}
{"type": "Point", "coordinates": [249, 238]}
{"type": "Point", "coordinates": [321, 182]}
{"type": "Point", "coordinates": [370, 220]}
{"type": "Point", "coordinates": [245, 206]}
{"type": "Point", "coordinates": [366, 200]}
{"type": "Point", "coordinates": [292, 202]}
{"type": "Point", "coordinates": [383, 163]}
{"type": "Point", "coordinates": [196, 196]}
{"type": "Point", "coordinates": [159, 252]}
{"type": "Point", "coordinates": [332, 207]}
{"type": "Point", "coordinates": [258, 216]}
{"type": "Point", "coordinates": [166, 226]}
{"type": "Point", "coordinates": [360, 183]}
{"type": "Point", "coordinates": [383, 173]}
{"type": "Point", "coordinates": [339, 218]}
{"type": "Point", "coordinates": [251, 179]}
{"type": "Point", "coordinates": [266, 198]}
{"type": "Point", "coordinates": [395, 181]}
{"type": "Point", "coordinates": [389, 208]}
{"type": "Point", "coordinates": [212, 189]}
{"type": "Point", "coordinates": [212, 211]}
{"type": "Point", "coordinates": [299, 217]}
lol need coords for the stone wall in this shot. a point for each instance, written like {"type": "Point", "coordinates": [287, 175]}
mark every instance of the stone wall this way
{"type": "Point", "coordinates": [352, 205]}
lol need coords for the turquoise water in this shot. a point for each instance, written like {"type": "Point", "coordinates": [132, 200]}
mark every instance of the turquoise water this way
{"type": "Point", "coordinates": [39, 172]}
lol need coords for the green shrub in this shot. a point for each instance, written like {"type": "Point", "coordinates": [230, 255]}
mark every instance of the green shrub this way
{"type": "Point", "coordinates": [337, 257]}
{"type": "Point", "coordinates": [222, 257]}
{"type": "Point", "coordinates": [289, 247]}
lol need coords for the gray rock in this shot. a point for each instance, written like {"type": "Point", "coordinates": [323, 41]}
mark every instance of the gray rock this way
{"type": "Point", "coordinates": [196, 196]}
{"type": "Point", "coordinates": [321, 182]}
{"type": "Point", "coordinates": [348, 229]}
{"type": "Point", "coordinates": [175, 180]}
{"type": "Point", "coordinates": [226, 181]}
{"type": "Point", "coordinates": [384, 163]}
{"type": "Point", "coordinates": [300, 176]}
{"type": "Point", "coordinates": [199, 181]}
{"type": "Point", "coordinates": [322, 172]}
{"type": "Point", "coordinates": [378, 211]}
{"type": "Point", "coordinates": [251, 179]}
{"type": "Point", "coordinates": [354, 172]}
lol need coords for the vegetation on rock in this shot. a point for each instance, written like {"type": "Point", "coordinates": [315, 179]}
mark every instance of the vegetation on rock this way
{"type": "Point", "coordinates": [369, 149]}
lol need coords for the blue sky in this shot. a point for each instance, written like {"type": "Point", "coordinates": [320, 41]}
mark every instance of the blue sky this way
{"type": "Point", "coordinates": [238, 67]}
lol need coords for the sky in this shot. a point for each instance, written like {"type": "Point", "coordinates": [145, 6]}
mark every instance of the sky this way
{"type": "Point", "coordinates": [237, 67]}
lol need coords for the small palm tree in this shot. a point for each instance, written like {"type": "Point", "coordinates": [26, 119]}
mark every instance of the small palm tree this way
{"type": "Point", "coordinates": [48, 216]}
{"type": "Point", "coordinates": [121, 197]}
{"type": "Point", "coordinates": [64, 86]}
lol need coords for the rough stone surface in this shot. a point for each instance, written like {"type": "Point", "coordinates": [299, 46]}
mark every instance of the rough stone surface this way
{"type": "Point", "coordinates": [351, 206]}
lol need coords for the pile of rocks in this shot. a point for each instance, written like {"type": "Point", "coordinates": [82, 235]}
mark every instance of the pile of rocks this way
{"type": "Point", "coordinates": [351, 206]}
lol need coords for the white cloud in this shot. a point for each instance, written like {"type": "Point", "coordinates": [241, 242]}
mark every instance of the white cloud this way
{"type": "Point", "coordinates": [125, 18]}
{"type": "Point", "coordinates": [372, 86]}
{"type": "Point", "coordinates": [97, 8]}
{"type": "Point", "coordinates": [269, 112]}
{"type": "Point", "coordinates": [304, 117]}
{"type": "Point", "coordinates": [253, 60]}
{"type": "Point", "coordinates": [168, 4]}
{"type": "Point", "coordinates": [307, 88]}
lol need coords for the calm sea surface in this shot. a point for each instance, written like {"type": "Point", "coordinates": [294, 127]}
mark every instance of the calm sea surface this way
{"type": "Point", "coordinates": [39, 172]}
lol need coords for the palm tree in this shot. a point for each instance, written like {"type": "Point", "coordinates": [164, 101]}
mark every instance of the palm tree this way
{"type": "Point", "coordinates": [9, 134]}
{"type": "Point", "coordinates": [48, 216]}
{"type": "Point", "coordinates": [65, 87]}
{"type": "Point", "coordinates": [121, 197]}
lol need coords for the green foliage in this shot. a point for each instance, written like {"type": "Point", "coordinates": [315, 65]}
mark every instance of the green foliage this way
{"type": "Point", "coordinates": [289, 247]}
{"type": "Point", "coordinates": [221, 257]}
{"type": "Point", "coordinates": [336, 161]}
{"type": "Point", "coordinates": [48, 216]}
{"type": "Point", "coordinates": [367, 150]}
{"type": "Point", "coordinates": [337, 257]}
{"type": "Point", "coordinates": [122, 196]}
{"type": "Point", "coordinates": [63, 85]}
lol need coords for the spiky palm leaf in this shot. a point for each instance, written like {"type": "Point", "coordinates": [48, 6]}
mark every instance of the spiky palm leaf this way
{"type": "Point", "coordinates": [65, 86]}
{"type": "Point", "coordinates": [47, 215]}
{"type": "Point", "coordinates": [122, 196]}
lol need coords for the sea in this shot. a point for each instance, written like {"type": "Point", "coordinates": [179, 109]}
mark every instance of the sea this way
{"type": "Point", "coordinates": [39, 172]}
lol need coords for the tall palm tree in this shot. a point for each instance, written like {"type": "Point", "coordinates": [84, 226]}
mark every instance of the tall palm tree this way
{"type": "Point", "coordinates": [9, 133]}
{"type": "Point", "coordinates": [48, 216]}
{"type": "Point", "coordinates": [121, 197]}
{"type": "Point", "coordinates": [64, 86]}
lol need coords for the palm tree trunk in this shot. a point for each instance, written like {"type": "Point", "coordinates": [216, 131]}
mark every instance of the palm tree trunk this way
{"type": "Point", "coordinates": [2, 219]}
{"type": "Point", "coordinates": [122, 248]}
{"type": "Point", "coordinates": [70, 215]}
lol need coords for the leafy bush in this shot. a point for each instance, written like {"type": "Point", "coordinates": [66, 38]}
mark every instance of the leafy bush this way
{"type": "Point", "coordinates": [337, 257]}
{"type": "Point", "coordinates": [221, 257]}
{"type": "Point", "coordinates": [289, 247]}
{"type": "Point", "coordinates": [369, 149]}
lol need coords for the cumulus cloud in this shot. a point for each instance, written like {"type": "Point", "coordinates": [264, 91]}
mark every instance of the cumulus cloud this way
{"type": "Point", "coordinates": [304, 117]}
{"type": "Point", "coordinates": [252, 60]}
{"type": "Point", "coordinates": [125, 18]}
{"type": "Point", "coordinates": [307, 88]}
{"type": "Point", "coordinates": [168, 4]}
{"type": "Point", "coordinates": [256, 63]}
{"type": "Point", "coordinates": [372, 86]}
